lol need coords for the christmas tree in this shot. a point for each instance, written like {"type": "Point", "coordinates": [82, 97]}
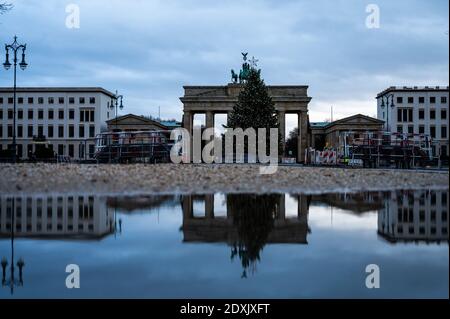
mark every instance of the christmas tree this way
{"type": "Point", "coordinates": [255, 108]}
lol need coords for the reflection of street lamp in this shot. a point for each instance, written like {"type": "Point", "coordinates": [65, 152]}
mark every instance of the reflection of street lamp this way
{"type": "Point", "coordinates": [12, 281]}
{"type": "Point", "coordinates": [385, 98]}
{"type": "Point", "coordinates": [14, 47]}
{"type": "Point", "coordinates": [115, 103]}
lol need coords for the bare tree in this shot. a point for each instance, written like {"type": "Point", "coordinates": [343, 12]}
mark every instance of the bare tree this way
{"type": "Point", "coordinates": [5, 6]}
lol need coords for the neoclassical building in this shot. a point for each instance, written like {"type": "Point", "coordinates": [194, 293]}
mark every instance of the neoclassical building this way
{"type": "Point", "coordinates": [212, 100]}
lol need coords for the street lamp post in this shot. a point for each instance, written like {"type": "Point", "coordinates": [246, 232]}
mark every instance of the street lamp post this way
{"type": "Point", "coordinates": [115, 103]}
{"type": "Point", "coordinates": [385, 103]}
{"type": "Point", "coordinates": [14, 47]}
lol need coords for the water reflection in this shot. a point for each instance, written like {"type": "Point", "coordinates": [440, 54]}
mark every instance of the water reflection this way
{"type": "Point", "coordinates": [251, 222]}
{"type": "Point", "coordinates": [244, 223]}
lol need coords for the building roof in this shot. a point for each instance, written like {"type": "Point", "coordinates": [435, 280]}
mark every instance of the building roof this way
{"type": "Point", "coordinates": [318, 124]}
{"type": "Point", "coordinates": [144, 120]}
{"type": "Point", "coordinates": [413, 89]}
{"type": "Point", "coordinates": [346, 120]}
{"type": "Point", "coordinates": [57, 90]}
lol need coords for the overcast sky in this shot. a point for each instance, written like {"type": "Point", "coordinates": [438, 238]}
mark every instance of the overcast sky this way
{"type": "Point", "coordinates": [149, 49]}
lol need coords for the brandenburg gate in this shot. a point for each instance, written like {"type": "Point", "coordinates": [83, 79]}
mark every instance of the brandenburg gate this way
{"type": "Point", "coordinates": [211, 100]}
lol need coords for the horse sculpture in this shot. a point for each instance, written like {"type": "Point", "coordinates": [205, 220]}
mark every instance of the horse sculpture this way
{"type": "Point", "coordinates": [234, 76]}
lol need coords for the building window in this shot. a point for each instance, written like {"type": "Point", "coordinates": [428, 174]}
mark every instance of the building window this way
{"type": "Point", "coordinates": [82, 100]}
{"type": "Point", "coordinates": [399, 99]}
{"type": "Point", "coordinates": [1, 114]}
{"type": "Point", "coordinates": [91, 131]}
{"type": "Point", "coordinates": [404, 115]}
{"type": "Point", "coordinates": [421, 99]}
{"type": "Point", "coordinates": [410, 129]}
{"type": "Point", "coordinates": [40, 114]}
{"type": "Point", "coordinates": [61, 100]}
{"type": "Point", "coordinates": [421, 129]}
{"type": "Point", "coordinates": [432, 114]}
{"type": "Point", "coordinates": [71, 114]}
{"type": "Point", "coordinates": [400, 129]}
{"type": "Point", "coordinates": [60, 131]}
{"type": "Point", "coordinates": [91, 150]}
{"type": "Point", "coordinates": [10, 130]}
{"type": "Point", "coordinates": [87, 115]}
{"type": "Point", "coordinates": [20, 114]}
{"type": "Point", "coordinates": [443, 131]}
{"type": "Point", "coordinates": [60, 149]}
{"type": "Point", "coordinates": [421, 114]}
{"type": "Point", "coordinates": [71, 100]}
{"type": "Point", "coordinates": [432, 99]}
{"type": "Point", "coordinates": [51, 100]}
{"type": "Point", "coordinates": [61, 114]}
{"type": "Point", "coordinates": [1, 100]}
{"type": "Point", "coordinates": [92, 100]}
{"type": "Point", "coordinates": [81, 131]}
{"type": "Point", "coordinates": [30, 100]}
{"type": "Point", "coordinates": [410, 99]}
{"type": "Point", "coordinates": [10, 100]}
{"type": "Point", "coordinates": [1, 135]}
{"type": "Point", "coordinates": [30, 130]}
{"type": "Point", "coordinates": [20, 100]}
{"type": "Point", "coordinates": [433, 131]}
{"type": "Point", "coordinates": [10, 114]}
{"type": "Point", "coordinates": [443, 100]}
{"type": "Point", "coordinates": [50, 131]}
{"type": "Point", "coordinates": [30, 114]}
{"type": "Point", "coordinates": [71, 131]}
{"type": "Point", "coordinates": [71, 150]}
{"type": "Point", "coordinates": [40, 100]}
{"type": "Point", "coordinates": [40, 130]}
{"type": "Point", "coordinates": [19, 131]}
{"type": "Point", "coordinates": [50, 114]}
{"type": "Point", "coordinates": [443, 114]}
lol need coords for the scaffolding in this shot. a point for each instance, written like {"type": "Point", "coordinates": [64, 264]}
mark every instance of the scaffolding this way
{"type": "Point", "coordinates": [132, 147]}
{"type": "Point", "coordinates": [385, 149]}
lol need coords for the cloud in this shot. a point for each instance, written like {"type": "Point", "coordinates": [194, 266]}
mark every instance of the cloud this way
{"type": "Point", "coordinates": [149, 49]}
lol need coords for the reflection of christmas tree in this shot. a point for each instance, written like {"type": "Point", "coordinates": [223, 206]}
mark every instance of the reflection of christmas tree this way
{"type": "Point", "coordinates": [253, 215]}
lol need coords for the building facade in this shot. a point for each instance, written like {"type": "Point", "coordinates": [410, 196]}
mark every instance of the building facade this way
{"type": "Point", "coordinates": [417, 110]}
{"type": "Point", "coordinates": [331, 134]}
{"type": "Point", "coordinates": [212, 100]}
{"type": "Point", "coordinates": [67, 118]}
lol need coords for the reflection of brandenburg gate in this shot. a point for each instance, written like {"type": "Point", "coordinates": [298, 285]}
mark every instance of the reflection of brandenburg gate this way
{"type": "Point", "coordinates": [211, 228]}
{"type": "Point", "coordinates": [211, 100]}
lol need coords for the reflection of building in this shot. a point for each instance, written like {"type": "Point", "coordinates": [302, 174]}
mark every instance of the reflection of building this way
{"type": "Point", "coordinates": [56, 216]}
{"type": "Point", "coordinates": [210, 228]}
{"type": "Point", "coordinates": [355, 202]}
{"type": "Point", "coordinates": [132, 203]}
{"type": "Point", "coordinates": [415, 216]}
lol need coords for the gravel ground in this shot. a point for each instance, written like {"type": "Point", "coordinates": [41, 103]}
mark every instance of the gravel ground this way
{"type": "Point", "coordinates": [171, 178]}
